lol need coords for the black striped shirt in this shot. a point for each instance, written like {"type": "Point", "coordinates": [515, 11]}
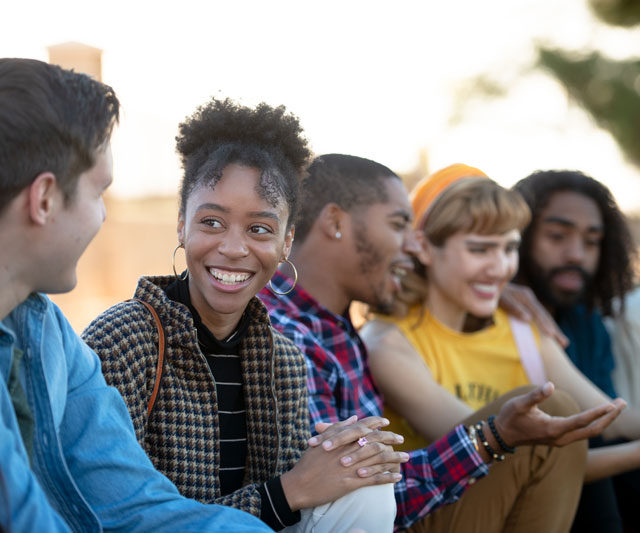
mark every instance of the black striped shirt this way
{"type": "Point", "coordinates": [223, 357]}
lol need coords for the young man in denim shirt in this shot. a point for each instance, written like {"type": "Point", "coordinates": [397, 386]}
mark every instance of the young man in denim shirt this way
{"type": "Point", "coordinates": [69, 459]}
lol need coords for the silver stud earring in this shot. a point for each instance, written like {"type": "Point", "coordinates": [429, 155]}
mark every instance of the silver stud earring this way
{"type": "Point", "coordinates": [338, 235]}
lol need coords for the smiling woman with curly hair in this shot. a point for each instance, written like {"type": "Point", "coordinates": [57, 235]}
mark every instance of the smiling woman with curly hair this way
{"type": "Point", "coordinates": [225, 416]}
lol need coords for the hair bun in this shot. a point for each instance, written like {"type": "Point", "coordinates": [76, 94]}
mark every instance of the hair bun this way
{"type": "Point", "coordinates": [222, 121]}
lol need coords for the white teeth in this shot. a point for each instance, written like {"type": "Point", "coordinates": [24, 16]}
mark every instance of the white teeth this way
{"type": "Point", "coordinates": [485, 288]}
{"type": "Point", "coordinates": [229, 279]}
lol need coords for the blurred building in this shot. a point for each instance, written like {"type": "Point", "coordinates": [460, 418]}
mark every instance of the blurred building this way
{"type": "Point", "coordinates": [139, 234]}
{"type": "Point", "coordinates": [77, 56]}
{"type": "Point", "coordinates": [137, 238]}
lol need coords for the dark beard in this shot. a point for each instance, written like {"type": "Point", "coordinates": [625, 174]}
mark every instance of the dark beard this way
{"type": "Point", "coordinates": [540, 282]}
{"type": "Point", "coordinates": [369, 261]}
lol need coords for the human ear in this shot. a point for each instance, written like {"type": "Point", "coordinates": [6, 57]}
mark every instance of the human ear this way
{"type": "Point", "coordinates": [44, 196]}
{"type": "Point", "coordinates": [181, 228]}
{"type": "Point", "coordinates": [288, 241]}
{"type": "Point", "coordinates": [332, 221]}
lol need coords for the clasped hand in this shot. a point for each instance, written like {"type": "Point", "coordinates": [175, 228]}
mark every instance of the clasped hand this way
{"type": "Point", "coordinates": [335, 464]}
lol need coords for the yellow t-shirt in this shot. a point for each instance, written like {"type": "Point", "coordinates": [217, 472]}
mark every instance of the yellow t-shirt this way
{"type": "Point", "coordinates": [475, 367]}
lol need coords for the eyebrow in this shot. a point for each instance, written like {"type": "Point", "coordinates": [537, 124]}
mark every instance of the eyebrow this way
{"type": "Point", "coordinates": [264, 214]}
{"type": "Point", "coordinates": [555, 219]}
{"type": "Point", "coordinates": [252, 214]}
{"type": "Point", "coordinates": [402, 213]}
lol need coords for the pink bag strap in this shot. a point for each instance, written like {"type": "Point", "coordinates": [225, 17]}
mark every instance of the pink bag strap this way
{"type": "Point", "coordinates": [529, 352]}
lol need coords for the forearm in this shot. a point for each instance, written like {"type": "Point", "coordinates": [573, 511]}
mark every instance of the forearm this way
{"type": "Point", "coordinates": [566, 376]}
{"type": "Point", "coordinates": [626, 426]}
{"type": "Point", "coordinates": [449, 414]}
{"type": "Point", "coordinates": [266, 501]}
{"type": "Point", "coordinates": [612, 460]}
{"type": "Point", "coordinates": [437, 475]}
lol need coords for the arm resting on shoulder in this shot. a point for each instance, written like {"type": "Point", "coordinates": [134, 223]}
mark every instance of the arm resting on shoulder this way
{"type": "Point", "coordinates": [520, 301]}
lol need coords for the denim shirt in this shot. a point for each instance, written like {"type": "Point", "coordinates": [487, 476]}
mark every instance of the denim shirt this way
{"type": "Point", "coordinates": [88, 472]}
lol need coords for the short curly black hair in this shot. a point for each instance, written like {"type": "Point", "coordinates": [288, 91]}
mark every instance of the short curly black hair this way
{"type": "Point", "coordinates": [614, 276]}
{"type": "Point", "coordinates": [223, 132]}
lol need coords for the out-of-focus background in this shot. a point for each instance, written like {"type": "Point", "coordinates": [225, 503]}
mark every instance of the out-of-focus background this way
{"type": "Point", "coordinates": [507, 86]}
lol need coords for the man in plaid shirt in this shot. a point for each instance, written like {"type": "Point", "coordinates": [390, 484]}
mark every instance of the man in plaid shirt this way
{"type": "Point", "coordinates": [354, 240]}
{"type": "Point", "coordinates": [340, 385]}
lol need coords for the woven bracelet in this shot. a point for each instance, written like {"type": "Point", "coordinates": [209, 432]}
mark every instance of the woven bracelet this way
{"type": "Point", "coordinates": [487, 446]}
{"type": "Point", "coordinates": [494, 431]}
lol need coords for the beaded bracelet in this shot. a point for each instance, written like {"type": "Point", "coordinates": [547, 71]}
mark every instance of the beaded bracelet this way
{"type": "Point", "coordinates": [487, 446]}
{"type": "Point", "coordinates": [503, 445]}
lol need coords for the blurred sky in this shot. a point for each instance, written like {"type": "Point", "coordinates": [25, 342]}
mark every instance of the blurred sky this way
{"type": "Point", "coordinates": [376, 79]}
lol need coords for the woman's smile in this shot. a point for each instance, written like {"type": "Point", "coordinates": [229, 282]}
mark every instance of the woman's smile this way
{"type": "Point", "coordinates": [230, 279]}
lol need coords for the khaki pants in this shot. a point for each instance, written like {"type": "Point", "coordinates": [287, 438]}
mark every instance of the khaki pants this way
{"type": "Point", "coordinates": [535, 490]}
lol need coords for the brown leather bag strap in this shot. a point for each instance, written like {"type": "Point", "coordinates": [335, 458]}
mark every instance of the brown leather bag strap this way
{"type": "Point", "coordinates": [160, 363]}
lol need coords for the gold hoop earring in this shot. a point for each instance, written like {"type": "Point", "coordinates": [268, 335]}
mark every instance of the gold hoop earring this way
{"type": "Point", "coordinates": [173, 263]}
{"type": "Point", "coordinates": [295, 280]}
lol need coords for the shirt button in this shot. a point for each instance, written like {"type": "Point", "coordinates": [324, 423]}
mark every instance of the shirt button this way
{"type": "Point", "coordinates": [45, 440]}
{"type": "Point", "coordinates": [472, 481]}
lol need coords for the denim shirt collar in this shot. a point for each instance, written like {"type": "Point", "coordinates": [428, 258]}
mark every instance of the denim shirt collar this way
{"type": "Point", "coordinates": [35, 303]}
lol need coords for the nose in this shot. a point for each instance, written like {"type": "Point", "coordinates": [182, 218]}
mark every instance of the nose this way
{"type": "Point", "coordinates": [233, 244]}
{"type": "Point", "coordinates": [575, 251]}
{"type": "Point", "coordinates": [501, 265]}
{"type": "Point", "coordinates": [411, 243]}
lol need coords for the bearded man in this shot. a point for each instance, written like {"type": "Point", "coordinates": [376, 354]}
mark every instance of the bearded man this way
{"type": "Point", "coordinates": [577, 256]}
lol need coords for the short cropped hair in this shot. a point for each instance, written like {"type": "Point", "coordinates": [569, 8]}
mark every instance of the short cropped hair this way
{"type": "Point", "coordinates": [614, 276]}
{"type": "Point", "coordinates": [346, 180]}
{"type": "Point", "coordinates": [51, 120]}
{"type": "Point", "coordinates": [223, 132]}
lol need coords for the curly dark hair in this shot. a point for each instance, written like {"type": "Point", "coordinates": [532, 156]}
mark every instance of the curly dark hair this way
{"type": "Point", "coordinates": [346, 180]}
{"type": "Point", "coordinates": [51, 120]}
{"type": "Point", "coordinates": [614, 275]}
{"type": "Point", "coordinates": [222, 132]}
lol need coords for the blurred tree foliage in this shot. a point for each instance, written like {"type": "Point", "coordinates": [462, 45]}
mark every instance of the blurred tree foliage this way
{"type": "Point", "coordinates": [617, 12]}
{"type": "Point", "coordinates": [609, 90]}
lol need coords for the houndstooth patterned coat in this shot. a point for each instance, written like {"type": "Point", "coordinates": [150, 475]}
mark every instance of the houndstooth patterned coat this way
{"type": "Point", "coordinates": [182, 435]}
